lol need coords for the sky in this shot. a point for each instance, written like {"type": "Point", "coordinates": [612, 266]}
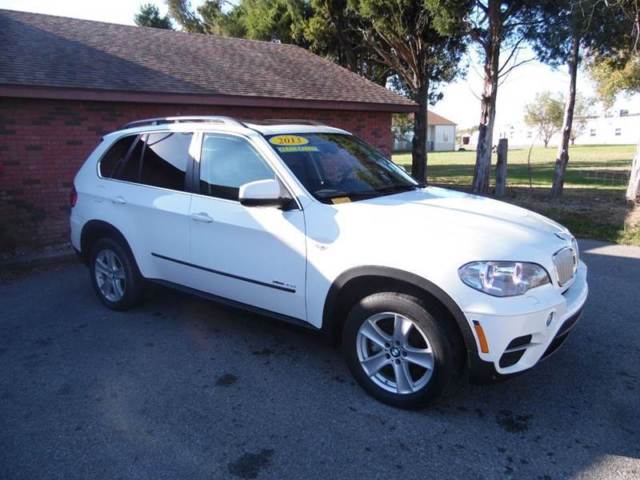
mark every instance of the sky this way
{"type": "Point", "coordinates": [459, 104]}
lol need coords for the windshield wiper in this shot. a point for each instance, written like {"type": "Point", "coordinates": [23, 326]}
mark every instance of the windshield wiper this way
{"type": "Point", "coordinates": [398, 188]}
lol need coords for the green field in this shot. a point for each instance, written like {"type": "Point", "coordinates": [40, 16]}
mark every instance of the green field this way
{"type": "Point", "coordinates": [595, 167]}
{"type": "Point", "coordinates": [593, 204]}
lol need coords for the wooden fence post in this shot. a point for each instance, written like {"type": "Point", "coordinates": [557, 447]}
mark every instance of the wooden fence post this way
{"type": "Point", "coordinates": [501, 167]}
{"type": "Point", "coordinates": [633, 189]}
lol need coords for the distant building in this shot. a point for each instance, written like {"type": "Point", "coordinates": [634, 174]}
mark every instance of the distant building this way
{"type": "Point", "coordinates": [619, 128]}
{"type": "Point", "coordinates": [441, 135]}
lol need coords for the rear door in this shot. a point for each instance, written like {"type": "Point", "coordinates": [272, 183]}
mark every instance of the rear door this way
{"type": "Point", "coordinates": [253, 255]}
{"type": "Point", "coordinates": [149, 202]}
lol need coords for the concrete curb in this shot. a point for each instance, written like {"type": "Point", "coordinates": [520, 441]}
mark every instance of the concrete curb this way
{"type": "Point", "coordinates": [59, 255]}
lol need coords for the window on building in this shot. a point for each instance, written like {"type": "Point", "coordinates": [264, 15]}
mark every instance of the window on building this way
{"type": "Point", "coordinates": [624, 113]}
{"type": "Point", "coordinates": [618, 132]}
{"type": "Point", "coordinates": [592, 132]}
{"type": "Point", "coordinates": [165, 159]}
{"type": "Point", "coordinates": [529, 134]}
{"type": "Point", "coordinates": [115, 156]}
{"type": "Point", "coordinates": [445, 136]}
{"type": "Point", "coordinates": [227, 163]}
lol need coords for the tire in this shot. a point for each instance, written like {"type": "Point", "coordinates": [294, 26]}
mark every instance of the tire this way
{"type": "Point", "coordinates": [114, 275]}
{"type": "Point", "coordinates": [377, 362]}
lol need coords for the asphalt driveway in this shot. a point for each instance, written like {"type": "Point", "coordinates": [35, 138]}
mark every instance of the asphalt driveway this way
{"type": "Point", "coordinates": [184, 388]}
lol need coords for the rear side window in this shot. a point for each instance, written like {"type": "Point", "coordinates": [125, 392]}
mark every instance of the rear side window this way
{"type": "Point", "coordinates": [227, 163]}
{"type": "Point", "coordinates": [165, 160]}
{"type": "Point", "coordinates": [114, 158]}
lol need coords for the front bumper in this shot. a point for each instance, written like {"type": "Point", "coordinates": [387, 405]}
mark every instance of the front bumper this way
{"type": "Point", "coordinates": [519, 340]}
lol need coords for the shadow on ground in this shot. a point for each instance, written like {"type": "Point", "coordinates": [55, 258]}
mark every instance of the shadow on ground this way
{"type": "Point", "coordinates": [183, 388]}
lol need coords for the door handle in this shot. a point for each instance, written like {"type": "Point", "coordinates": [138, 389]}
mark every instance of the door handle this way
{"type": "Point", "coordinates": [201, 217]}
{"type": "Point", "coordinates": [118, 200]}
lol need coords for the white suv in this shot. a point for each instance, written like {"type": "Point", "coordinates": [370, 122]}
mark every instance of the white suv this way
{"type": "Point", "coordinates": [309, 224]}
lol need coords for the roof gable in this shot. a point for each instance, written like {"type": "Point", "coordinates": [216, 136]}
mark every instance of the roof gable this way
{"type": "Point", "coordinates": [48, 51]}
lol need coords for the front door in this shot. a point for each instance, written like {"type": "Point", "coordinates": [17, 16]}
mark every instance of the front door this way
{"type": "Point", "coordinates": [252, 255]}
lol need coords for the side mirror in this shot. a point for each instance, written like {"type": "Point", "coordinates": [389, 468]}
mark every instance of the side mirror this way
{"type": "Point", "coordinates": [263, 193]}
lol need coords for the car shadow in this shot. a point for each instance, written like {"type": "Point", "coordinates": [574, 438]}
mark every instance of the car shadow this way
{"type": "Point", "coordinates": [193, 389]}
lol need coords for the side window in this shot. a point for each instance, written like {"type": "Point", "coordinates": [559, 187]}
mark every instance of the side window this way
{"type": "Point", "coordinates": [115, 156]}
{"type": "Point", "coordinates": [129, 169]}
{"type": "Point", "coordinates": [165, 159]}
{"type": "Point", "coordinates": [228, 163]}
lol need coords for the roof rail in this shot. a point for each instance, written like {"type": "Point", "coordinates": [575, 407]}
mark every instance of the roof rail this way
{"type": "Point", "coordinates": [167, 120]}
{"type": "Point", "coordinates": [284, 121]}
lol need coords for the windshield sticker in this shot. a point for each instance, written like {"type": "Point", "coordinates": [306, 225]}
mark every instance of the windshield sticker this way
{"type": "Point", "coordinates": [340, 200]}
{"type": "Point", "coordinates": [302, 148]}
{"type": "Point", "coordinates": [288, 140]}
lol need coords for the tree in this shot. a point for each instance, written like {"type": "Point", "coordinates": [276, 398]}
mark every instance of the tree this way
{"type": "Point", "coordinates": [545, 115]}
{"type": "Point", "coordinates": [581, 113]}
{"type": "Point", "coordinates": [615, 74]}
{"type": "Point", "coordinates": [615, 65]}
{"type": "Point", "coordinates": [497, 25]}
{"type": "Point", "coordinates": [330, 28]}
{"type": "Point", "coordinates": [401, 125]}
{"type": "Point", "coordinates": [335, 29]}
{"type": "Point", "coordinates": [422, 42]}
{"type": "Point", "coordinates": [149, 16]}
{"type": "Point", "coordinates": [571, 27]}
{"type": "Point", "coordinates": [210, 17]}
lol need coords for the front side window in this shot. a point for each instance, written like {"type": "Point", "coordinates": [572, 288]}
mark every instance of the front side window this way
{"type": "Point", "coordinates": [165, 160]}
{"type": "Point", "coordinates": [227, 163]}
{"type": "Point", "coordinates": [337, 166]}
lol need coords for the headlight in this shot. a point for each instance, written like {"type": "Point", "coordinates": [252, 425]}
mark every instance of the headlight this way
{"type": "Point", "coordinates": [503, 279]}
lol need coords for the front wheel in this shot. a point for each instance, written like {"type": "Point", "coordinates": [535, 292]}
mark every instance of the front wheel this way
{"type": "Point", "coordinates": [397, 350]}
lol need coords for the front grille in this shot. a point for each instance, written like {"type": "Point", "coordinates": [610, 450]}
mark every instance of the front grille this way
{"type": "Point", "coordinates": [566, 263]}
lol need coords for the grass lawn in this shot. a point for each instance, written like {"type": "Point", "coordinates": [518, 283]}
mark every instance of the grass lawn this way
{"type": "Point", "coordinates": [593, 205]}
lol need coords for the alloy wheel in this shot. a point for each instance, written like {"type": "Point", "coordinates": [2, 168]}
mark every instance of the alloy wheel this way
{"type": "Point", "coordinates": [395, 353]}
{"type": "Point", "coordinates": [110, 275]}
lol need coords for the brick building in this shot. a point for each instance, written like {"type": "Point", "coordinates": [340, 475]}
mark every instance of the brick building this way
{"type": "Point", "coordinates": [66, 82]}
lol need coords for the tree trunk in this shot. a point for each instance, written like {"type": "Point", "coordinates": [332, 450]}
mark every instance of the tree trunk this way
{"type": "Point", "coordinates": [562, 158]}
{"type": "Point", "coordinates": [482, 172]}
{"type": "Point", "coordinates": [501, 167]}
{"type": "Point", "coordinates": [633, 190]}
{"type": "Point", "coordinates": [420, 125]}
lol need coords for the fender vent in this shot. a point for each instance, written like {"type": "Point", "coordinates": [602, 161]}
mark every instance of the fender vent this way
{"type": "Point", "coordinates": [514, 351]}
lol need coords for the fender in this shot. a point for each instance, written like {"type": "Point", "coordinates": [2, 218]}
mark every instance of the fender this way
{"type": "Point", "coordinates": [96, 228]}
{"type": "Point", "coordinates": [329, 320]}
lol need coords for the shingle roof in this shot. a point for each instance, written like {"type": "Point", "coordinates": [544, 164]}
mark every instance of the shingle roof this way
{"type": "Point", "coordinates": [435, 119]}
{"type": "Point", "coordinates": [49, 51]}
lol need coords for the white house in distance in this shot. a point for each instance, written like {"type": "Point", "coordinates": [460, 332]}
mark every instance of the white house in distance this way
{"type": "Point", "coordinates": [613, 128]}
{"type": "Point", "coordinates": [441, 135]}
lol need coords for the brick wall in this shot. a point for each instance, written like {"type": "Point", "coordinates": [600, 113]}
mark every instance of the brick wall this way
{"type": "Point", "coordinates": [44, 142]}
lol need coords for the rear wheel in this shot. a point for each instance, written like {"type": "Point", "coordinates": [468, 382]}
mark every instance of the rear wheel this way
{"type": "Point", "coordinates": [397, 350]}
{"type": "Point", "coordinates": [114, 275]}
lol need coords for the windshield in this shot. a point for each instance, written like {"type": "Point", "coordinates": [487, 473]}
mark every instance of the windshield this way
{"type": "Point", "coordinates": [336, 167]}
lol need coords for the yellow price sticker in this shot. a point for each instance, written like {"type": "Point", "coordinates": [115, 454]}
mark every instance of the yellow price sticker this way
{"type": "Point", "coordinates": [288, 140]}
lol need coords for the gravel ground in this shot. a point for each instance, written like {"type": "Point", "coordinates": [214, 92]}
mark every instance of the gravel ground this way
{"type": "Point", "coordinates": [184, 388]}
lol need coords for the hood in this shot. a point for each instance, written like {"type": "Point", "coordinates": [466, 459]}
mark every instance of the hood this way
{"type": "Point", "coordinates": [437, 219]}
{"type": "Point", "coordinates": [474, 208]}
